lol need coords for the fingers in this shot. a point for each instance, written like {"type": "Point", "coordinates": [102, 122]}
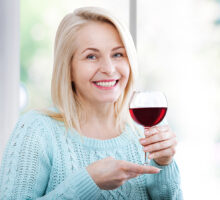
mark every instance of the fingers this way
{"type": "Point", "coordinates": [165, 153]}
{"type": "Point", "coordinates": [149, 170]}
{"type": "Point", "coordinates": [160, 145]}
{"type": "Point", "coordinates": [110, 173]}
{"type": "Point", "coordinates": [139, 169]}
{"type": "Point", "coordinates": [157, 134]}
{"type": "Point", "coordinates": [151, 131]}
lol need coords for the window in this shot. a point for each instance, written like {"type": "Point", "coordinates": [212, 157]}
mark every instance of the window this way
{"type": "Point", "coordinates": [178, 49]}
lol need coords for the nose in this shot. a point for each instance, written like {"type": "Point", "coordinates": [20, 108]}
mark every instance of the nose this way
{"type": "Point", "coordinates": [107, 66]}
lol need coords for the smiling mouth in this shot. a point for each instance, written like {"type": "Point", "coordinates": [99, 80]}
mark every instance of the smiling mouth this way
{"type": "Point", "coordinates": [106, 83]}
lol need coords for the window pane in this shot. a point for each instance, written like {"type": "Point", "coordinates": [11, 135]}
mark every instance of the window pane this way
{"type": "Point", "coordinates": [178, 48]}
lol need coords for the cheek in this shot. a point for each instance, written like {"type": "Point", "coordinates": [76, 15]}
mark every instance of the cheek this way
{"type": "Point", "coordinates": [82, 72]}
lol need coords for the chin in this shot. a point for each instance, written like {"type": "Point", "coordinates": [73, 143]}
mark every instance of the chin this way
{"type": "Point", "coordinates": [109, 100]}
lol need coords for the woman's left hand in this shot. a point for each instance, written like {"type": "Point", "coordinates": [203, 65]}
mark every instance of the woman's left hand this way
{"type": "Point", "coordinates": [161, 143]}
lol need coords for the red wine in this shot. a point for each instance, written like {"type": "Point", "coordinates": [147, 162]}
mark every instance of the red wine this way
{"type": "Point", "coordinates": [148, 116]}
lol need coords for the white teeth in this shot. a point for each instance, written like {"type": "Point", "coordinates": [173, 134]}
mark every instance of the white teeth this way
{"type": "Point", "coordinates": [106, 84]}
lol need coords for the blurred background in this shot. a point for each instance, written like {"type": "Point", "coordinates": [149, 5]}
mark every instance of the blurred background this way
{"type": "Point", "coordinates": [178, 45]}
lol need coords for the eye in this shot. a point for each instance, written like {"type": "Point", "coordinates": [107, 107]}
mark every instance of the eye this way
{"type": "Point", "coordinates": [118, 55]}
{"type": "Point", "coordinates": [91, 57]}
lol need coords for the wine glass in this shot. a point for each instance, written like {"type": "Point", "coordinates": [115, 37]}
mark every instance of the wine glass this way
{"type": "Point", "coordinates": [148, 108]}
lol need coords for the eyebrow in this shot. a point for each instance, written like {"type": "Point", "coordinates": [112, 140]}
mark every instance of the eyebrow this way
{"type": "Point", "coordinates": [94, 49]}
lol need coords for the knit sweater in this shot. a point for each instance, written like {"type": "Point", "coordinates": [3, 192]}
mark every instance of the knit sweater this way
{"type": "Point", "coordinates": [44, 160]}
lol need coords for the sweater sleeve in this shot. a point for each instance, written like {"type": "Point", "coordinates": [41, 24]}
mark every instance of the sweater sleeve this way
{"type": "Point", "coordinates": [26, 165]}
{"type": "Point", "coordinates": [166, 184]}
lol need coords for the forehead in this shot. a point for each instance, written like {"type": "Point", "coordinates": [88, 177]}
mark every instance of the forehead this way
{"type": "Point", "coordinates": [98, 34]}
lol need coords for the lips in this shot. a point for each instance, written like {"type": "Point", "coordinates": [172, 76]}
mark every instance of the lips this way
{"type": "Point", "coordinates": [104, 84]}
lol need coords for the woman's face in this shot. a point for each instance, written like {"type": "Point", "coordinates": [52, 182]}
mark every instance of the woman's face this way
{"type": "Point", "coordinates": [100, 67]}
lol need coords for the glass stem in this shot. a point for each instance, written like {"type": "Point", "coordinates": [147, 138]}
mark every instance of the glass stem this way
{"type": "Point", "coordinates": [147, 161]}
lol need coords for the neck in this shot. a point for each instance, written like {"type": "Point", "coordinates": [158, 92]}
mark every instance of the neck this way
{"type": "Point", "coordinates": [99, 121]}
{"type": "Point", "coordinates": [103, 113]}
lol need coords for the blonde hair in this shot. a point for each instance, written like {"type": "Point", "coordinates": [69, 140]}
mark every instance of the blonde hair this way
{"type": "Point", "coordinates": [63, 95]}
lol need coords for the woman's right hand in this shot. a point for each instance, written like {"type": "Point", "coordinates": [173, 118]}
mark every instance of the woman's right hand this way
{"type": "Point", "coordinates": [110, 173]}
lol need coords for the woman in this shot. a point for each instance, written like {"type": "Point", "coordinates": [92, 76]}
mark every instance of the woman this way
{"type": "Point", "coordinates": [86, 146]}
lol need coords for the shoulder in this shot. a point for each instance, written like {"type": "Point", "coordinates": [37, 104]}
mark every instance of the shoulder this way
{"type": "Point", "coordinates": [32, 116]}
{"type": "Point", "coordinates": [38, 123]}
{"type": "Point", "coordinates": [34, 125]}
{"type": "Point", "coordinates": [36, 119]}
{"type": "Point", "coordinates": [34, 130]}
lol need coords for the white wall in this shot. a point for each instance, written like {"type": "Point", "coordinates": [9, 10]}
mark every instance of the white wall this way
{"type": "Point", "coordinates": [9, 68]}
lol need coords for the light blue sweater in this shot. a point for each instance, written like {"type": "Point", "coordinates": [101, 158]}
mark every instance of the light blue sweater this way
{"type": "Point", "coordinates": [43, 161]}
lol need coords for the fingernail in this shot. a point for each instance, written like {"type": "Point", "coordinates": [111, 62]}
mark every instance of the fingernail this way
{"type": "Point", "coordinates": [159, 169]}
{"type": "Point", "coordinates": [147, 132]}
{"type": "Point", "coordinates": [142, 141]}
{"type": "Point", "coordinates": [150, 131]}
{"type": "Point", "coordinates": [151, 156]}
{"type": "Point", "coordinates": [153, 130]}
